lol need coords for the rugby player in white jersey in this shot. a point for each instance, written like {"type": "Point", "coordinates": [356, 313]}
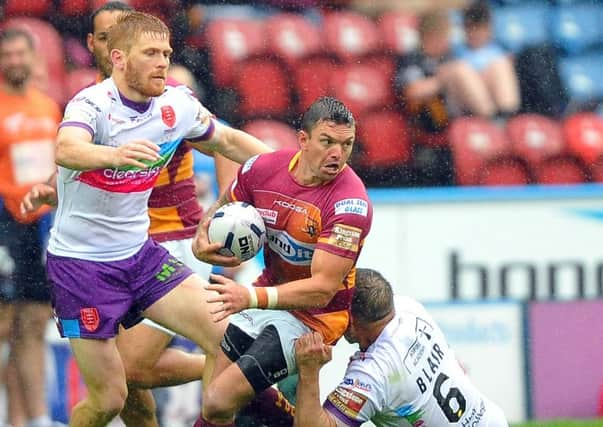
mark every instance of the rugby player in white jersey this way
{"type": "Point", "coordinates": [404, 373]}
{"type": "Point", "coordinates": [114, 140]}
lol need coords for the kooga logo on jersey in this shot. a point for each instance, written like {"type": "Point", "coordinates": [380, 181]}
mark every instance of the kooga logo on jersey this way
{"type": "Point", "coordinates": [292, 250]}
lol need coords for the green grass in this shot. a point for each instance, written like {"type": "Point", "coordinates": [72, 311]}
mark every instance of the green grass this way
{"type": "Point", "coordinates": [562, 423]}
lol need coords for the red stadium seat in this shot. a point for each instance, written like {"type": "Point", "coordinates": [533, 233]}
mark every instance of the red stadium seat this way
{"type": "Point", "coordinates": [263, 87]}
{"type": "Point", "coordinates": [349, 35]}
{"type": "Point", "coordinates": [560, 170]}
{"type": "Point", "coordinates": [361, 88]}
{"type": "Point", "coordinates": [474, 142]}
{"type": "Point", "coordinates": [231, 41]}
{"type": "Point", "coordinates": [506, 171]}
{"type": "Point", "coordinates": [74, 7]}
{"type": "Point", "coordinates": [37, 8]}
{"type": "Point", "coordinates": [275, 134]}
{"type": "Point", "coordinates": [399, 32]}
{"type": "Point", "coordinates": [292, 37]}
{"type": "Point", "coordinates": [78, 79]}
{"type": "Point", "coordinates": [384, 139]}
{"type": "Point", "coordinates": [535, 138]}
{"type": "Point", "coordinates": [311, 80]}
{"type": "Point", "coordinates": [583, 134]}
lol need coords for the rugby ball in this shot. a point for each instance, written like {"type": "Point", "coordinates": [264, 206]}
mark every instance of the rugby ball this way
{"type": "Point", "coordinates": [240, 229]}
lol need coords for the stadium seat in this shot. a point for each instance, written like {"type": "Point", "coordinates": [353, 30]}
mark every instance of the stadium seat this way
{"type": "Point", "coordinates": [504, 171]}
{"type": "Point", "coordinates": [384, 140]}
{"type": "Point", "coordinates": [361, 87]}
{"type": "Point", "coordinates": [398, 32]}
{"type": "Point", "coordinates": [560, 170]}
{"type": "Point", "coordinates": [349, 35]}
{"type": "Point", "coordinates": [78, 79]}
{"type": "Point", "coordinates": [516, 27]}
{"type": "Point", "coordinates": [292, 37]}
{"type": "Point", "coordinates": [583, 134]}
{"type": "Point", "coordinates": [581, 75]}
{"type": "Point", "coordinates": [576, 28]}
{"type": "Point", "coordinates": [36, 8]}
{"type": "Point", "coordinates": [74, 7]}
{"type": "Point", "coordinates": [263, 88]}
{"type": "Point", "coordinates": [311, 80]}
{"type": "Point", "coordinates": [535, 138]}
{"type": "Point", "coordinates": [274, 133]}
{"type": "Point", "coordinates": [231, 41]}
{"type": "Point", "coordinates": [474, 142]}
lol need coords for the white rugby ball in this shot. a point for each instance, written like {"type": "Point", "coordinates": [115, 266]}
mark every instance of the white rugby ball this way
{"type": "Point", "coordinates": [240, 229]}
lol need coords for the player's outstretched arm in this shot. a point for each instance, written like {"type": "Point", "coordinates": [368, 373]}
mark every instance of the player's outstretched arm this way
{"type": "Point", "coordinates": [233, 144]}
{"type": "Point", "coordinates": [75, 151]}
{"type": "Point", "coordinates": [311, 354]}
{"type": "Point", "coordinates": [328, 272]}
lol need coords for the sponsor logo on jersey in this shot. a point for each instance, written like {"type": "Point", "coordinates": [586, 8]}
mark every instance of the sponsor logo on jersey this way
{"type": "Point", "coordinates": [347, 401]}
{"type": "Point", "coordinates": [90, 318]}
{"type": "Point", "coordinates": [268, 215]}
{"type": "Point", "coordinates": [168, 115]}
{"type": "Point", "coordinates": [351, 206]}
{"type": "Point", "coordinates": [345, 237]}
{"type": "Point", "coordinates": [356, 383]}
{"type": "Point", "coordinates": [249, 163]}
{"type": "Point", "coordinates": [288, 205]}
{"type": "Point", "coordinates": [291, 250]}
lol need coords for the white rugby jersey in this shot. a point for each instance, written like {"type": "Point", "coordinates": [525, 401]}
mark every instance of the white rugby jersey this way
{"type": "Point", "coordinates": [102, 214]}
{"type": "Point", "coordinates": [410, 377]}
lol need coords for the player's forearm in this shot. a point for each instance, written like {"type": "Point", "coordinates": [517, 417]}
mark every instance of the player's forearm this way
{"type": "Point", "coordinates": [300, 294]}
{"type": "Point", "coordinates": [308, 410]}
{"type": "Point", "coordinates": [239, 146]}
{"type": "Point", "coordinates": [81, 155]}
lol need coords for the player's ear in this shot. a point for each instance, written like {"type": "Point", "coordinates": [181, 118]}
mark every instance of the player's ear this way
{"type": "Point", "coordinates": [303, 138]}
{"type": "Point", "coordinates": [118, 58]}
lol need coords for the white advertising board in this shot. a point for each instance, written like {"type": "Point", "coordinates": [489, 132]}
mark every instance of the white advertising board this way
{"type": "Point", "coordinates": [436, 248]}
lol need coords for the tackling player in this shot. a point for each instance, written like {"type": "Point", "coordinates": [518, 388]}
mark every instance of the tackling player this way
{"type": "Point", "coordinates": [404, 372]}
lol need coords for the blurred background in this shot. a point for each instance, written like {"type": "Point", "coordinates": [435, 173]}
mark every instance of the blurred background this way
{"type": "Point", "coordinates": [479, 135]}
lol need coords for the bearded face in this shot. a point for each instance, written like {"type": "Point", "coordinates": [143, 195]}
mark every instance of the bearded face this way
{"type": "Point", "coordinates": [16, 61]}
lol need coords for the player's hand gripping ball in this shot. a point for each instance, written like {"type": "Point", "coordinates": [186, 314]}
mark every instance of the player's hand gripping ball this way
{"type": "Point", "coordinates": [240, 228]}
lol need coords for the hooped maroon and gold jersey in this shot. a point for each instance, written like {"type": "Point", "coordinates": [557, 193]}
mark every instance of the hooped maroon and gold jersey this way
{"type": "Point", "coordinates": [334, 217]}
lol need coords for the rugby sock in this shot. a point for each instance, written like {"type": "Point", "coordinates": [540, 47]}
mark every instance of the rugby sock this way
{"type": "Point", "coordinates": [202, 422]}
{"type": "Point", "coordinates": [271, 408]}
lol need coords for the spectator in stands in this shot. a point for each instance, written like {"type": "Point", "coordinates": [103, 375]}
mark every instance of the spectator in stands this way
{"type": "Point", "coordinates": [488, 58]}
{"type": "Point", "coordinates": [28, 123]}
{"type": "Point", "coordinates": [433, 86]}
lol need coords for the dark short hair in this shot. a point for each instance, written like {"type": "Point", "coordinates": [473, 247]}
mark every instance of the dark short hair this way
{"type": "Point", "coordinates": [329, 109]}
{"type": "Point", "coordinates": [477, 13]}
{"type": "Point", "coordinates": [373, 296]}
{"type": "Point", "coordinates": [10, 34]}
{"type": "Point", "coordinates": [111, 6]}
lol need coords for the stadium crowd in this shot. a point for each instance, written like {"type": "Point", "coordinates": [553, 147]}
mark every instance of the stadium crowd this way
{"type": "Point", "coordinates": [441, 94]}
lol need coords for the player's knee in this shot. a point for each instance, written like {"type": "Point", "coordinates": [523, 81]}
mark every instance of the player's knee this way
{"type": "Point", "coordinates": [216, 405]}
{"type": "Point", "coordinates": [111, 399]}
{"type": "Point", "coordinates": [139, 405]}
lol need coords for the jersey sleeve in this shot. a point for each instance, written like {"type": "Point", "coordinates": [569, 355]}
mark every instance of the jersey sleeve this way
{"type": "Point", "coordinates": [82, 111]}
{"type": "Point", "coordinates": [346, 225]}
{"type": "Point", "coordinates": [202, 126]}
{"type": "Point", "coordinates": [357, 398]}
{"type": "Point", "coordinates": [240, 189]}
